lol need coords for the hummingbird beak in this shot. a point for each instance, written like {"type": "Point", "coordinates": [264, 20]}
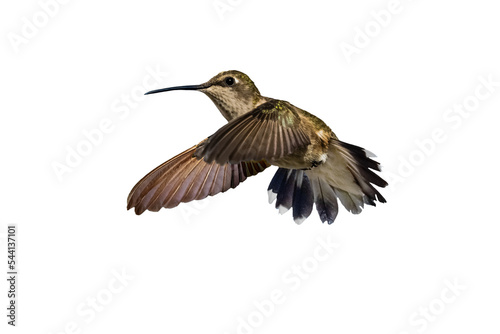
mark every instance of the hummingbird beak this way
{"type": "Point", "coordinates": [191, 87]}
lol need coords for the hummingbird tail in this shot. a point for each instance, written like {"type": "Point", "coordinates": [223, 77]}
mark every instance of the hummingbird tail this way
{"type": "Point", "coordinates": [297, 189]}
{"type": "Point", "coordinates": [185, 178]}
{"type": "Point", "coordinates": [347, 175]}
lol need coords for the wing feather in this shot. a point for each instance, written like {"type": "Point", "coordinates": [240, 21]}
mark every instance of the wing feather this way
{"type": "Point", "coordinates": [185, 178]}
{"type": "Point", "coordinates": [271, 131]}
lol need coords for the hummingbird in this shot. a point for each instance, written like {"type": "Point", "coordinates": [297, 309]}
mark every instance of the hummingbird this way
{"type": "Point", "coordinates": [314, 166]}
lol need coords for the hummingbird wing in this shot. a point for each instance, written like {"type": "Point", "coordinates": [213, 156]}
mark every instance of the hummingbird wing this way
{"type": "Point", "coordinates": [185, 178]}
{"type": "Point", "coordinates": [270, 131]}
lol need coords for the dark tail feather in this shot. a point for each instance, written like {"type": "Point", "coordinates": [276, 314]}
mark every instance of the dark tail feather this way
{"type": "Point", "coordinates": [325, 199]}
{"type": "Point", "coordinates": [276, 182]}
{"type": "Point", "coordinates": [361, 167]}
{"type": "Point", "coordinates": [284, 199]}
{"type": "Point", "coordinates": [292, 189]}
{"type": "Point", "coordinates": [303, 197]}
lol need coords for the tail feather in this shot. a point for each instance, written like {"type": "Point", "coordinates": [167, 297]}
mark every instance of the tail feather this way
{"type": "Point", "coordinates": [292, 189]}
{"type": "Point", "coordinates": [353, 203]}
{"type": "Point", "coordinates": [284, 200]}
{"type": "Point", "coordinates": [275, 184]}
{"type": "Point", "coordinates": [347, 175]}
{"type": "Point", "coordinates": [325, 200]}
{"type": "Point", "coordinates": [360, 166]}
{"type": "Point", "coordinates": [303, 197]}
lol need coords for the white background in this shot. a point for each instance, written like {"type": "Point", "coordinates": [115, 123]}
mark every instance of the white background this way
{"type": "Point", "coordinates": [201, 268]}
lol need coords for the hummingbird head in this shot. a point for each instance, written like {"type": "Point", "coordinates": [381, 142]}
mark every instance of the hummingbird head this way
{"type": "Point", "coordinates": [233, 92]}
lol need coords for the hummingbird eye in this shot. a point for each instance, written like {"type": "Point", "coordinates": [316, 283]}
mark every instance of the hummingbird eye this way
{"type": "Point", "coordinates": [229, 81]}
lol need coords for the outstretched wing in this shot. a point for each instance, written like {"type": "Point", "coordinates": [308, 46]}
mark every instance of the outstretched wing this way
{"type": "Point", "coordinates": [270, 131]}
{"type": "Point", "coordinates": [185, 178]}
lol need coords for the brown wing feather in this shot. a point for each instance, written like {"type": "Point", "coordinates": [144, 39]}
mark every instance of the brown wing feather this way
{"type": "Point", "coordinates": [185, 178]}
{"type": "Point", "coordinates": [271, 131]}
